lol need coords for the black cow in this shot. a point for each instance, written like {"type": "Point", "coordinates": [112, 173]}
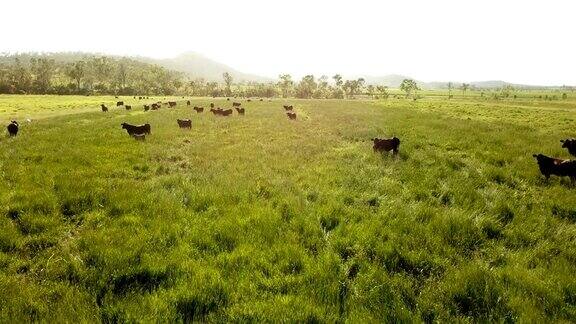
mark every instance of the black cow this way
{"type": "Point", "coordinates": [184, 123]}
{"type": "Point", "coordinates": [104, 108]}
{"type": "Point", "coordinates": [128, 107]}
{"type": "Point", "coordinates": [146, 107]}
{"type": "Point", "coordinates": [240, 111]}
{"type": "Point", "coordinates": [119, 103]}
{"type": "Point", "coordinates": [136, 129]}
{"type": "Point", "coordinates": [13, 128]}
{"type": "Point", "coordinates": [550, 166]}
{"type": "Point", "coordinates": [386, 144]}
{"type": "Point", "coordinates": [570, 145]}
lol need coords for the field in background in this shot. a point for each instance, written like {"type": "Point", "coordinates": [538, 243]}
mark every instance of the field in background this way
{"type": "Point", "coordinates": [263, 218]}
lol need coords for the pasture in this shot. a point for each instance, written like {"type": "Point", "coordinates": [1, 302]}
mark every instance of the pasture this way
{"type": "Point", "coordinates": [262, 218]}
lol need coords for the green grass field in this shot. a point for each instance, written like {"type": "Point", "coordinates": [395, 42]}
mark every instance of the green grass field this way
{"type": "Point", "coordinates": [259, 218]}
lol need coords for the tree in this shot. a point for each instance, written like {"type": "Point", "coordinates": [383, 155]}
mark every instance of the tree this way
{"type": "Point", "coordinates": [464, 87]}
{"type": "Point", "coordinates": [306, 87]}
{"type": "Point", "coordinates": [285, 84]}
{"type": "Point", "coordinates": [228, 83]}
{"type": "Point", "coordinates": [409, 86]}
{"type": "Point", "coordinates": [76, 71]}
{"type": "Point", "coordinates": [383, 91]}
{"type": "Point", "coordinates": [43, 70]}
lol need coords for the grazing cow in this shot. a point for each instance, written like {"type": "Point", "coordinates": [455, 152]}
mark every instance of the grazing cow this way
{"type": "Point", "coordinates": [119, 103]}
{"type": "Point", "coordinates": [236, 104]}
{"type": "Point", "coordinates": [211, 105]}
{"type": "Point", "coordinates": [288, 108]}
{"type": "Point", "coordinates": [569, 144]}
{"type": "Point", "coordinates": [136, 129]}
{"type": "Point", "coordinates": [226, 112]}
{"type": "Point", "coordinates": [13, 128]}
{"type": "Point", "coordinates": [146, 107]}
{"type": "Point", "coordinates": [128, 107]}
{"type": "Point", "coordinates": [172, 104]}
{"type": "Point", "coordinates": [199, 109]}
{"type": "Point", "coordinates": [104, 108]}
{"type": "Point", "coordinates": [291, 115]}
{"type": "Point", "coordinates": [188, 103]}
{"type": "Point", "coordinates": [139, 137]}
{"type": "Point", "coordinates": [240, 111]}
{"type": "Point", "coordinates": [184, 123]}
{"type": "Point", "coordinates": [551, 166]}
{"type": "Point", "coordinates": [386, 144]}
{"type": "Point", "coordinates": [155, 106]}
{"type": "Point", "coordinates": [215, 111]}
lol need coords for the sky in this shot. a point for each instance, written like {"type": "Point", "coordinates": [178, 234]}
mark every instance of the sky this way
{"type": "Point", "coordinates": [530, 41]}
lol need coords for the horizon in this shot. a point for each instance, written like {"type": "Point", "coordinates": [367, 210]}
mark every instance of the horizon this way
{"type": "Point", "coordinates": [320, 38]}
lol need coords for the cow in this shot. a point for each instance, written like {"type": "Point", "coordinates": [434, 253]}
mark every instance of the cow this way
{"type": "Point", "coordinates": [104, 108]}
{"type": "Point", "coordinates": [139, 137]}
{"type": "Point", "coordinates": [13, 128]}
{"type": "Point", "coordinates": [261, 99]}
{"type": "Point", "coordinates": [146, 107]}
{"type": "Point", "coordinates": [226, 112]}
{"type": "Point", "coordinates": [227, 99]}
{"type": "Point", "coordinates": [550, 166]}
{"type": "Point", "coordinates": [136, 129]}
{"type": "Point", "coordinates": [188, 103]}
{"type": "Point", "coordinates": [236, 104]}
{"type": "Point", "coordinates": [172, 104]}
{"type": "Point", "coordinates": [291, 115]}
{"type": "Point", "coordinates": [155, 106]}
{"type": "Point", "coordinates": [217, 111]}
{"type": "Point", "coordinates": [184, 123]}
{"type": "Point", "coordinates": [139, 98]}
{"type": "Point", "coordinates": [199, 109]}
{"type": "Point", "coordinates": [249, 100]}
{"type": "Point", "coordinates": [386, 144]}
{"type": "Point", "coordinates": [570, 145]}
{"type": "Point", "coordinates": [128, 107]}
{"type": "Point", "coordinates": [240, 111]}
{"type": "Point", "coordinates": [119, 103]}
{"type": "Point", "coordinates": [288, 108]}
{"type": "Point", "coordinates": [211, 105]}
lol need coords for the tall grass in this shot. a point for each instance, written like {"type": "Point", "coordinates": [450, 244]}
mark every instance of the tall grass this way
{"type": "Point", "coordinates": [259, 218]}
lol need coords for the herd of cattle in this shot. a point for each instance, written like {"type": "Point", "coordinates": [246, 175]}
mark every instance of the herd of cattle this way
{"type": "Point", "coordinates": [548, 166]}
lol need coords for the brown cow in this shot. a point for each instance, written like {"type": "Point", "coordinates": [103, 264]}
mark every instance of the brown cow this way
{"type": "Point", "coordinates": [236, 104]}
{"type": "Point", "coordinates": [386, 144]}
{"type": "Point", "coordinates": [226, 112]}
{"type": "Point", "coordinates": [184, 123]}
{"type": "Point", "coordinates": [570, 145]}
{"type": "Point", "coordinates": [172, 104]}
{"type": "Point", "coordinates": [288, 108]}
{"type": "Point", "coordinates": [240, 111]}
{"type": "Point", "coordinates": [550, 166]}
{"type": "Point", "coordinates": [199, 109]}
{"type": "Point", "coordinates": [291, 115]}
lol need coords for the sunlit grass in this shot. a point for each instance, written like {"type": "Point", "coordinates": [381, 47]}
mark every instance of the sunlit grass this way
{"type": "Point", "coordinates": [256, 217]}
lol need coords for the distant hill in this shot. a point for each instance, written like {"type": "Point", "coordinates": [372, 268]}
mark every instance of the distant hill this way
{"type": "Point", "coordinates": [195, 65]}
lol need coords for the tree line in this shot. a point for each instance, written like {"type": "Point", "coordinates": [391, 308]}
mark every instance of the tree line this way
{"type": "Point", "coordinates": [30, 74]}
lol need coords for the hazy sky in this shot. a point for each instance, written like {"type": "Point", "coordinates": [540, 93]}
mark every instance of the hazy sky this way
{"type": "Point", "coordinates": [526, 41]}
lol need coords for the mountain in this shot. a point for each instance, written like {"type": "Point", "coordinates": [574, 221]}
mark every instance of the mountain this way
{"type": "Point", "coordinates": [195, 66]}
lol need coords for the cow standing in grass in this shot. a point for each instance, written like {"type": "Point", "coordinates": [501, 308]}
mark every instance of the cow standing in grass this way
{"type": "Point", "coordinates": [13, 128]}
{"type": "Point", "coordinates": [136, 129]}
{"type": "Point", "coordinates": [184, 123]}
{"type": "Point", "coordinates": [291, 115]}
{"type": "Point", "coordinates": [104, 108]}
{"type": "Point", "coordinates": [386, 144]}
{"type": "Point", "coordinates": [551, 166]}
{"type": "Point", "coordinates": [570, 145]}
